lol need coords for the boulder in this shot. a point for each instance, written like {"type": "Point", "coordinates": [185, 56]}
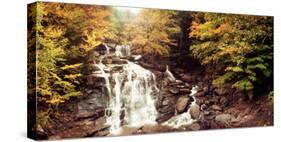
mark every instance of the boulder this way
{"type": "Point", "coordinates": [224, 118]}
{"type": "Point", "coordinates": [194, 127]}
{"type": "Point", "coordinates": [194, 111]}
{"type": "Point", "coordinates": [186, 77]}
{"type": "Point", "coordinates": [87, 129]}
{"type": "Point", "coordinates": [182, 103]}
{"type": "Point", "coordinates": [216, 108]}
{"type": "Point", "coordinates": [162, 117]}
{"type": "Point", "coordinates": [166, 109]}
{"type": "Point", "coordinates": [107, 61]}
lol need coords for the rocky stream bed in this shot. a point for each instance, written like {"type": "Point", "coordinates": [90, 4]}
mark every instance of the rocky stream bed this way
{"type": "Point", "coordinates": [132, 94]}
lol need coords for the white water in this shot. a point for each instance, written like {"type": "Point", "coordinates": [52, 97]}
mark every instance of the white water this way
{"type": "Point", "coordinates": [170, 76]}
{"type": "Point", "coordinates": [122, 50]}
{"type": "Point", "coordinates": [102, 73]}
{"type": "Point", "coordinates": [130, 90]}
{"type": "Point", "coordinates": [184, 118]}
{"type": "Point", "coordinates": [107, 49]}
{"type": "Point", "coordinates": [132, 94]}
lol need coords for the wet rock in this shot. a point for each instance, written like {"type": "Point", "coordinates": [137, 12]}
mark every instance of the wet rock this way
{"type": "Point", "coordinates": [174, 83]}
{"type": "Point", "coordinates": [146, 65]}
{"type": "Point", "coordinates": [136, 57]}
{"type": "Point", "coordinates": [117, 68]}
{"type": "Point", "coordinates": [158, 74]}
{"type": "Point", "coordinates": [165, 102]}
{"type": "Point", "coordinates": [200, 84]}
{"type": "Point", "coordinates": [118, 61]}
{"type": "Point", "coordinates": [178, 81]}
{"type": "Point", "coordinates": [224, 101]}
{"type": "Point", "coordinates": [127, 130]}
{"type": "Point", "coordinates": [214, 99]}
{"type": "Point", "coordinates": [92, 68]}
{"type": "Point", "coordinates": [165, 93]}
{"type": "Point", "coordinates": [88, 91]}
{"type": "Point", "coordinates": [107, 61]}
{"type": "Point", "coordinates": [216, 108]}
{"type": "Point", "coordinates": [155, 128]}
{"type": "Point", "coordinates": [185, 91]}
{"type": "Point", "coordinates": [166, 109]}
{"type": "Point", "coordinates": [199, 94]}
{"type": "Point", "coordinates": [195, 111]}
{"type": "Point", "coordinates": [224, 118]}
{"type": "Point", "coordinates": [206, 112]}
{"type": "Point", "coordinates": [90, 113]}
{"type": "Point", "coordinates": [87, 129]}
{"type": "Point", "coordinates": [179, 70]}
{"type": "Point", "coordinates": [104, 132]}
{"type": "Point", "coordinates": [187, 85]}
{"type": "Point", "coordinates": [205, 89]}
{"type": "Point", "coordinates": [182, 103]}
{"type": "Point", "coordinates": [186, 77]}
{"type": "Point", "coordinates": [194, 127]}
{"type": "Point", "coordinates": [204, 107]}
{"type": "Point", "coordinates": [181, 87]}
{"type": "Point", "coordinates": [174, 91]}
{"type": "Point", "coordinates": [162, 117]}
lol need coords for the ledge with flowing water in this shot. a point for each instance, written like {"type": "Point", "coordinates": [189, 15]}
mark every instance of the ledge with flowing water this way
{"type": "Point", "coordinates": [133, 93]}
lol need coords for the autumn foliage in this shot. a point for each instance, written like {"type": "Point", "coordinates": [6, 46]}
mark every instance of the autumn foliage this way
{"type": "Point", "coordinates": [61, 37]}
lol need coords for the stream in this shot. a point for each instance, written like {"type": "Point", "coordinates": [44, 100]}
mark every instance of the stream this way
{"type": "Point", "coordinates": [126, 96]}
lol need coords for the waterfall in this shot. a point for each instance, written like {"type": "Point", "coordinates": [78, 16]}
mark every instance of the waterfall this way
{"type": "Point", "coordinates": [184, 118]}
{"type": "Point", "coordinates": [102, 73]}
{"type": "Point", "coordinates": [169, 75]}
{"type": "Point", "coordinates": [107, 49]}
{"type": "Point", "coordinates": [131, 90]}
{"type": "Point", "coordinates": [122, 50]}
{"type": "Point", "coordinates": [133, 95]}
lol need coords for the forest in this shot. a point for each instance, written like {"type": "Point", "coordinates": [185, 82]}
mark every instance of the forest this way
{"type": "Point", "coordinates": [107, 70]}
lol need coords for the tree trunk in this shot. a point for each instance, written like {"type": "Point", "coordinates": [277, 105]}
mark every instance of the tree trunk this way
{"type": "Point", "coordinates": [185, 23]}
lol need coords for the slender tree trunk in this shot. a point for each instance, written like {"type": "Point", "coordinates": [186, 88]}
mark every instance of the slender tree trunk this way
{"type": "Point", "coordinates": [185, 23]}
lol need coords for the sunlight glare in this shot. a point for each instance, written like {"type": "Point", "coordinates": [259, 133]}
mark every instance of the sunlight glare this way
{"type": "Point", "coordinates": [130, 9]}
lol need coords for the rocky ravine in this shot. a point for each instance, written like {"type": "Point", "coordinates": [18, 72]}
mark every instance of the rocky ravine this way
{"type": "Point", "coordinates": [215, 108]}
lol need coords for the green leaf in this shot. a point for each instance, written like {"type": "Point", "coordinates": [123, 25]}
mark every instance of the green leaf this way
{"type": "Point", "coordinates": [243, 84]}
{"type": "Point", "coordinates": [234, 69]}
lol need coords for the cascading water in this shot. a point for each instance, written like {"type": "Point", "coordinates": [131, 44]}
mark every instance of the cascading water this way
{"type": "Point", "coordinates": [122, 50]}
{"type": "Point", "coordinates": [184, 118]}
{"type": "Point", "coordinates": [133, 92]}
{"type": "Point", "coordinates": [130, 90]}
{"type": "Point", "coordinates": [107, 49]}
{"type": "Point", "coordinates": [169, 75]}
{"type": "Point", "coordinates": [104, 75]}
